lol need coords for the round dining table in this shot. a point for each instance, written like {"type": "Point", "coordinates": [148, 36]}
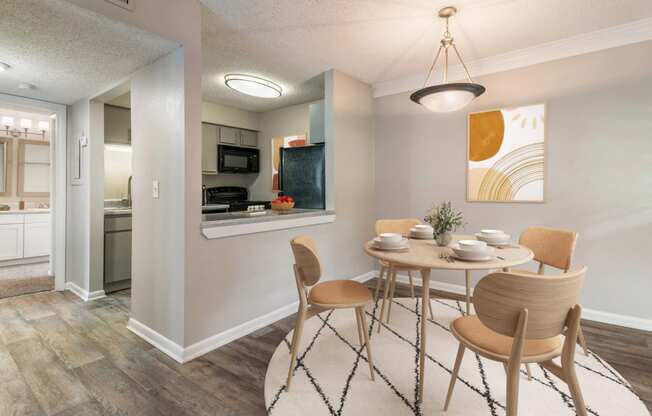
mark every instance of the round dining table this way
{"type": "Point", "coordinates": [426, 255]}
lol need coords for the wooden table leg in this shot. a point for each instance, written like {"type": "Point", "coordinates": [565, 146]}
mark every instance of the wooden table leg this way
{"type": "Point", "coordinates": [425, 284]}
{"type": "Point", "coordinates": [468, 292]}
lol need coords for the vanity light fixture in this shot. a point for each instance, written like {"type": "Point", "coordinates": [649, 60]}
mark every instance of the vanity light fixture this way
{"type": "Point", "coordinates": [447, 97]}
{"type": "Point", "coordinates": [253, 85]}
{"type": "Point", "coordinates": [4, 67]}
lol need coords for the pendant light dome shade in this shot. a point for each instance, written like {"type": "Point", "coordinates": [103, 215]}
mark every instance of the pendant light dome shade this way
{"type": "Point", "coordinates": [447, 97]}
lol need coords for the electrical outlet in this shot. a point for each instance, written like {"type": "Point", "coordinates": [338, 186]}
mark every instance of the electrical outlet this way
{"type": "Point", "coordinates": [155, 190]}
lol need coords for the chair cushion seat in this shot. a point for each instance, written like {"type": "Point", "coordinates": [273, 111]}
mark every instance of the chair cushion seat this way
{"type": "Point", "coordinates": [339, 294]}
{"type": "Point", "coordinates": [475, 333]}
{"type": "Point", "coordinates": [527, 272]}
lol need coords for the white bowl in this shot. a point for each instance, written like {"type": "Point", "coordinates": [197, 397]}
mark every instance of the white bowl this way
{"type": "Point", "coordinates": [483, 252]}
{"type": "Point", "coordinates": [494, 240]}
{"type": "Point", "coordinates": [422, 228]}
{"type": "Point", "coordinates": [472, 245]}
{"type": "Point", "coordinates": [391, 245]}
{"type": "Point", "coordinates": [491, 233]}
{"type": "Point", "coordinates": [390, 238]}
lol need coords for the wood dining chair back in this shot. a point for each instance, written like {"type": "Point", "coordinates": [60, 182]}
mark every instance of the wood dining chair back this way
{"type": "Point", "coordinates": [306, 260]}
{"type": "Point", "coordinates": [551, 246]}
{"type": "Point", "coordinates": [500, 298]}
{"type": "Point", "coordinates": [522, 318]}
{"type": "Point", "coordinates": [398, 226]}
{"type": "Point", "coordinates": [322, 296]}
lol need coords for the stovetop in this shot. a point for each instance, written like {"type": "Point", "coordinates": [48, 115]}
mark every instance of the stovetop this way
{"type": "Point", "coordinates": [236, 197]}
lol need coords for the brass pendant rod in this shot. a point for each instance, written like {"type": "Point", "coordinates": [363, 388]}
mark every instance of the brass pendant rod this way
{"type": "Point", "coordinates": [432, 67]}
{"type": "Point", "coordinates": [468, 76]}
{"type": "Point", "coordinates": [445, 65]}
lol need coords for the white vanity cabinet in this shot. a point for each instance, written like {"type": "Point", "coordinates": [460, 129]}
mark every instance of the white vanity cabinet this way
{"type": "Point", "coordinates": [24, 236]}
{"type": "Point", "coordinates": [37, 235]}
{"type": "Point", "coordinates": [11, 237]}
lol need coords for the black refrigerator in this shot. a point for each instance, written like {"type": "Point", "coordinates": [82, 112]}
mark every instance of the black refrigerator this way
{"type": "Point", "coordinates": [302, 175]}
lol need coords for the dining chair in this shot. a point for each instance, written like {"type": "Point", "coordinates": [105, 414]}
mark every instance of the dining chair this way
{"type": "Point", "coordinates": [323, 296]}
{"type": "Point", "coordinates": [522, 318]}
{"type": "Point", "coordinates": [552, 247]}
{"type": "Point", "coordinates": [398, 226]}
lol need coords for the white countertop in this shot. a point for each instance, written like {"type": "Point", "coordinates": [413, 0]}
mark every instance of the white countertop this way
{"type": "Point", "coordinates": [26, 211]}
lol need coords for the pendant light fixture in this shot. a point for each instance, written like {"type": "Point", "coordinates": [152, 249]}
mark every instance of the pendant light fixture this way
{"type": "Point", "coordinates": [447, 97]}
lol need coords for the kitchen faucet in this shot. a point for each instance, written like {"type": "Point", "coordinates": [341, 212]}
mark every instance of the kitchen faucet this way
{"type": "Point", "coordinates": [129, 182]}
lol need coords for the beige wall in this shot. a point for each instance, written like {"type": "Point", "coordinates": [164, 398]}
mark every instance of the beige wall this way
{"type": "Point", "coordinates": [117, 169]}
{"type": "Point", "coordinates": [287, 121]}
{"type": "Point", "coordinates": [229, 116]}
{"type": "Point", "coordinates": [234, 280]}
{"type": "Point", "coordinates": [599, 153]}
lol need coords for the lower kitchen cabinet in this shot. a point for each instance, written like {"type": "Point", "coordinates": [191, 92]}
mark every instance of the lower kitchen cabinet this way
{"type": "Point", "coordinates": [117, 253]}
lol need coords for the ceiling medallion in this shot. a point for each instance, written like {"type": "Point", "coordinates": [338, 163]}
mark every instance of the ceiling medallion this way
{"type": "Point", "coordinates": [253, 85]}
{"type": "Point", "coordinates": [447, 97]}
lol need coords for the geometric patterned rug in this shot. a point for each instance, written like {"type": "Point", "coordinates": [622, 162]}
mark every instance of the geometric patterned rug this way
{"type": "Point", "coordinates": [332, 375]}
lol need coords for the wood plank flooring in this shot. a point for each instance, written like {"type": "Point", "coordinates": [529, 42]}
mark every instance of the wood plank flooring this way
{"type": "Point", "coordinates": [60, 356]}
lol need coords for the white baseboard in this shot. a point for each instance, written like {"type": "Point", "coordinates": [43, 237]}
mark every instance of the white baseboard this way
{"type": "Point", "coordinates": [84, 294]}
{"type": "Point", "coordinates": [165, 345]}
{"type": "Point", "coordinates": [587, 313]}
{"type": "Point", "coordinates": [617, 319]}
{"type": "Point", "coordinates": [209, 344]}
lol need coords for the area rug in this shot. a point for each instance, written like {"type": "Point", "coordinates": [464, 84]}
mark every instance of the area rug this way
{"type": "Point", "coordinates": [332, 374]}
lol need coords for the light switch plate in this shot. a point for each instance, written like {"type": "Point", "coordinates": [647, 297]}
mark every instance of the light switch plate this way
{"type": "Point", "coordinates": [155, 187]}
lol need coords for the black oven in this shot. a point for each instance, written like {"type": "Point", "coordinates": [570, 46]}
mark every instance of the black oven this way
{"type": "Point", "coordinates": [233, 159]}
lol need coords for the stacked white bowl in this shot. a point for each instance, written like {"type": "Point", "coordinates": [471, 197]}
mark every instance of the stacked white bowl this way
{"type": "Point", "coordinates": [472, 250]}
{"type": "Point", "coordinates": [422, 232]}
{"type": "Point", "coordinates": [390, 241]}
{"type": "Point", "coordinates": [494, 237]}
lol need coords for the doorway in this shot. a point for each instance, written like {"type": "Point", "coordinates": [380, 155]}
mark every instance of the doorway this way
{"type": "Point", "coordinates": [32, 196]}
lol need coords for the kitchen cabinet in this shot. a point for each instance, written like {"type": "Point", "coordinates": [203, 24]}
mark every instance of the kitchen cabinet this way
{"type": "Point", "coordinates": [11, 241]}
{"type": "Point", "coordinates": [209, 148]}
{"type": "Point", "coordinates": [229, 135]}
{"type": "Point", "coordinates": [248, 138]}
{"type": "Point", "coordinates": [37, 235]}
{"type": "Point", "coordinates": [117, 125]}
{"type": "Point", "coordinates": [117, 253]}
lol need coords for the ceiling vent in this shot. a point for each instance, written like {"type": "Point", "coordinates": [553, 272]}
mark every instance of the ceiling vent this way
{"type": "Point", "coordinates": [125, 4]}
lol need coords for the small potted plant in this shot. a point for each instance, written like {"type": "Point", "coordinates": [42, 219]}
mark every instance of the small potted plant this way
{"type": "Point", "coordinates": [444, 222]}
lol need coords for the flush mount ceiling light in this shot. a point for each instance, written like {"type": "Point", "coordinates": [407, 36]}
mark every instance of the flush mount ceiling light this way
{"type": "Point", "coordinates": [26, 86]}
{"type": "Point", "coordinates": [447, 97]}
{"type": "Point", "coordinates": [252, 85]}
{"type": "Point", "coordinates": [4, 67]}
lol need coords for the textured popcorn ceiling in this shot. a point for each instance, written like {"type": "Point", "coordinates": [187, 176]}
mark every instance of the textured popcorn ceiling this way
{"type": "Point", "coordinates": [68, 52]}
{"type": "Point", "coordinates": [291, 41]}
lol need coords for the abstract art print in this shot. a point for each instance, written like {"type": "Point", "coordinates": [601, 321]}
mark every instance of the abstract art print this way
{"type": "Point", "coordinates": [506, 155]}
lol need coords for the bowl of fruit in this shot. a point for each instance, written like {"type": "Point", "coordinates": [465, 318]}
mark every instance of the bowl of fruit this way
{"type": "Point", "coordinates": [283, 203]}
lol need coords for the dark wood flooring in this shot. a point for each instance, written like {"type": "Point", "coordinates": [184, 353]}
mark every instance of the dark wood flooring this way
{"type": "Point", "coordinates": [60, 356]}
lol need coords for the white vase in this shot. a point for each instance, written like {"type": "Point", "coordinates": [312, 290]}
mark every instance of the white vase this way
{"type": "Point", "coordinates": [444, 239]}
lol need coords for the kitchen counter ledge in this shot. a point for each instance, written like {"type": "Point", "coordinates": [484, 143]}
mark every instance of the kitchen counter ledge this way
{"type": "Point", "coordinates": [230, 224]}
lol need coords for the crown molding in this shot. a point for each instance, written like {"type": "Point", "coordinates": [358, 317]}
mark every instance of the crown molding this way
{"type": "Point", "coordinates": [612, 37]}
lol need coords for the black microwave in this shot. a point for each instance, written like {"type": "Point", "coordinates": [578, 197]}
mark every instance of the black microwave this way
{"type": "Point", "coordinates": [233, 159]}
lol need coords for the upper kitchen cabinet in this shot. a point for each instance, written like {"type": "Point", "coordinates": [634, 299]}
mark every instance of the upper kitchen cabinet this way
{"type": "Point", "coordinates": [117, 124]}
{"type": "Point", "coordinates": [209, 148]}
{"type": "Point", "coordinates": [229, 135]}
{"type": "Point", "coordinates": [248, 138]}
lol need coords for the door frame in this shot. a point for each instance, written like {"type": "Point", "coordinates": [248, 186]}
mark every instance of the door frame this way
{"type": "Point", "coordinates": [58, 179]}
